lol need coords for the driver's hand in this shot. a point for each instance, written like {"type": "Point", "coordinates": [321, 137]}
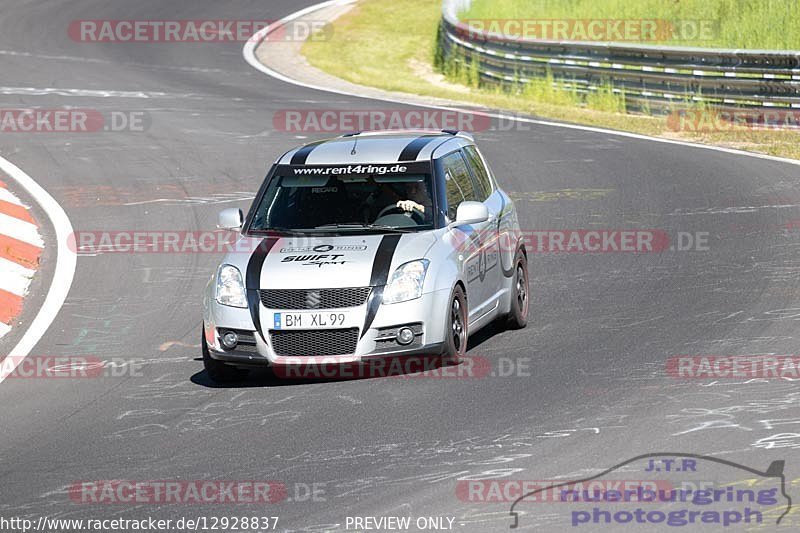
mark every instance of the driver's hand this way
{"type": "Point", "coordinates": [409, 205]}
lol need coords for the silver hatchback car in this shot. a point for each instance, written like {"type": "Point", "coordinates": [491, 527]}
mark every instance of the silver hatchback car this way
{"type": "Point", "coordinates": [365, 246]}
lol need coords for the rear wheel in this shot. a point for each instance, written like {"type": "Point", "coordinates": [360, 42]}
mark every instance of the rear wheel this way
{"type": "Point", "coordinates": [217, 370]}
{"type": "Point", "coordinates": [518, 316]}
{"type": "Point", "coordinates": [456, 328]}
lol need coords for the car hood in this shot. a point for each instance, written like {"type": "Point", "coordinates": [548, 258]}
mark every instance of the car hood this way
{"type": "Point", "coordinates": [326, 261]}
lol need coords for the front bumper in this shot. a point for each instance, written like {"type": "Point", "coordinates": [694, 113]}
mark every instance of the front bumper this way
{"type": "Point", "coordinates": [426, 315]}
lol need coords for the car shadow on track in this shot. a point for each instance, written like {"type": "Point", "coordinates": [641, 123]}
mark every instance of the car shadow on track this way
{"type": "Point", "coordinates": [255, 378]}
{"type": "Point", "coordinates": [485, 334]}
{"type": "Point", "coordinates": [407, 367]}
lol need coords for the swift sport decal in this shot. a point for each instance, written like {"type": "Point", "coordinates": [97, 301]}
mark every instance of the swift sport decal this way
{"type": "Point", "coordinates": [317, 260]}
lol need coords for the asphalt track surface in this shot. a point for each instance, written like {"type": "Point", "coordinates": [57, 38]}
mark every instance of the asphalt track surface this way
{"type": "Point", "coordinates": [602, 326]}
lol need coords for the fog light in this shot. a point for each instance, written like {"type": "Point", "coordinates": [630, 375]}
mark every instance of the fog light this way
{"type": "Point", "coordinates": [229, 340]}
{"type": "Point", "coordinates": [405, 336]}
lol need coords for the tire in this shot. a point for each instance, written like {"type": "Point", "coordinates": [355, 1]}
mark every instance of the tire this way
{"type": "Point", "coordinates": [218, 371]}
{"type": "Point", "coordinates": [520, 294]}
{"type": "Point", "coordinates": [456, 334]}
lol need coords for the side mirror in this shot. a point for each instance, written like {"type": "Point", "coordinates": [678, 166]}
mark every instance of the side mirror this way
{"type": "Point", "coordinates": [231, 218]}
{"type": "Point", "coordinates": [470, 213]}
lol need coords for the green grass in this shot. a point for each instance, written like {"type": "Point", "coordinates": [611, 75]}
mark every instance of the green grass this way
{"type": "Point", "coordinates": [391, 45]}
{"type": "Point", "coordinates": [373, 43]}
{"type": "Point", "coordinates": [755, 24]}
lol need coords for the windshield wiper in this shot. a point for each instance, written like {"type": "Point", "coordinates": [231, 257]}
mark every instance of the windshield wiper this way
{"type": "Point", "coordinates": [359, 225]}
{"type": "Point", "coordinates": [279, 229]}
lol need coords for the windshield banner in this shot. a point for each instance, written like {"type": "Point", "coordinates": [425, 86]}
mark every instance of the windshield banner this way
{"type": "Point", "coordinates": [414, 167]}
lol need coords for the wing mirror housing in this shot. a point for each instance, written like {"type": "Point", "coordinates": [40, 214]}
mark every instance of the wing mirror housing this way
{"type": "Point", "coordinates": [230, 219]}
{"type": "Point", "coordinates": [470, 212]}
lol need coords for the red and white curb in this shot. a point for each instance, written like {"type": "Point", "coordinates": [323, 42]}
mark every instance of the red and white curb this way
{"type": "Point", "coordinates": [63, 270]}
{"type": "Point", "coordinates": [20, 248]}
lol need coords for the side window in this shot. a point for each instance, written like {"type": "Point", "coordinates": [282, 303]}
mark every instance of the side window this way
{"type": "Point", "coordinates": [458, 183]}
{"type": "Point", "coordinates": [479, 171]}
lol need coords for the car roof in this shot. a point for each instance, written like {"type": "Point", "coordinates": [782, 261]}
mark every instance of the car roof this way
{"type": "Point", "coordinates": [375, 147]}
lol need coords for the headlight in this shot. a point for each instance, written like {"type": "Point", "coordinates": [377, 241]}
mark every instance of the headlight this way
{"type": "Point", "coordinates": [406, 282]}
{"type": "Point", "coordinates": [230, 289]}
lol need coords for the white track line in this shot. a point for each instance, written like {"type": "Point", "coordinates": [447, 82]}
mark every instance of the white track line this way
{"type": "Point", "coordinates": [248, 51]}
{"type": "Point", "coordinates": [62, 275]}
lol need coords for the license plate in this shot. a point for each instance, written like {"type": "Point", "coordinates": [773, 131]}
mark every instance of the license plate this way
{"type": "Point", "coordinates": [322, 320]}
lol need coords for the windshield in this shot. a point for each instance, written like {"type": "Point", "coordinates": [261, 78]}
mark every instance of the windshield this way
{"type": "Point", "coordinates": [338, 201]}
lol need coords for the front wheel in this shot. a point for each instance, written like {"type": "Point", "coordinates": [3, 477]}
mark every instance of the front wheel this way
{"type": "Point", "coordinates": [456, 328]}
{"type": "Point", "coordinates": [217, 370]}
{"type": "Point", "coordinates": [518, 316]}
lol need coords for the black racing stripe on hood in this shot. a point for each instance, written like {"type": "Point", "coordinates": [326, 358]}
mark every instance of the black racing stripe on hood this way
{"type": "Point", "coordinates": [412, 149]}
{"type": "Point", "coordinates": [300, 156]}
{"type": "Point", "coordinates": [379, 276]}
{"type": "Point", "coordinates": [252, 281]}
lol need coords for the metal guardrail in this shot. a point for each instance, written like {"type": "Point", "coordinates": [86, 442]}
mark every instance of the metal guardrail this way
{"type": "Point", "coordinates": [657, 77]}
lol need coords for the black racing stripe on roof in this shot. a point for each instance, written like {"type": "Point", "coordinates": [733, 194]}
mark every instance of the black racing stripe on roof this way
{"type": "Point", "coordinates": [300, 156]}
{"type": "Point", "coordinates": [412, 149]}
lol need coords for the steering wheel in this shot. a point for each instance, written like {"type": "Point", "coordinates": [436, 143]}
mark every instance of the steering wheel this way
{"type": "Point", "coordinates": [415, 214]}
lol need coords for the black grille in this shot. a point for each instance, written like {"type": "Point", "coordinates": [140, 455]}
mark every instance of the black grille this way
{"type": "Point", "coordinates": [314, 298]}
{"type": "Point", "coordinates": [314, 342]}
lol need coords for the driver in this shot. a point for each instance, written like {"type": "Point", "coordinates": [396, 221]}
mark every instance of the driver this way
{"type": "Point", "coordinates": [414, 197]}
{"type": "Point", "coordinates": [418, 198]}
